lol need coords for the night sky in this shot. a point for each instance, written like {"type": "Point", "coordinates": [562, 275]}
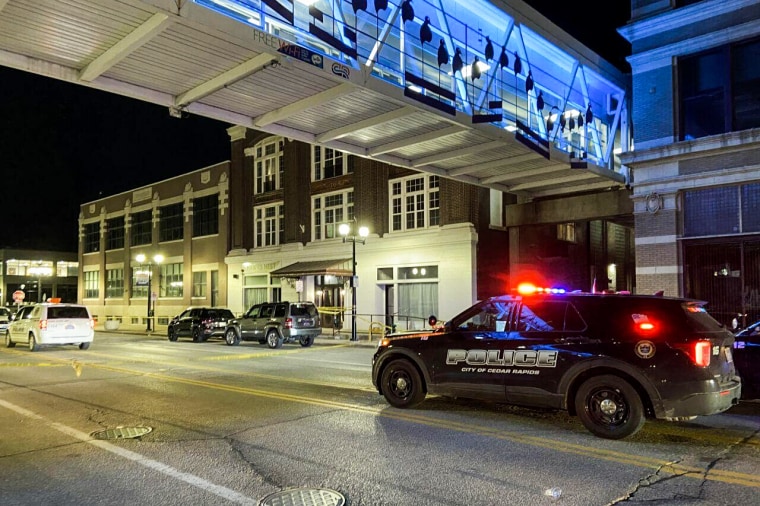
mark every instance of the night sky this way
{"type": "Point", "coordinates": [63, 144]}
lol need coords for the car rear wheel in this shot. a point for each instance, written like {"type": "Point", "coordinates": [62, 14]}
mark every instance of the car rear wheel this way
{"type": "Point", "coordinates": [609, 407]}
{"type": "Point", "coordinates": [8, 342]}
{"type": "Point", "coordinates": [306, 341]}
{"type": "Point", "coordinates": [273, 339]}
{"type": "Point", "coordinates": [231, 337]}
{"type": "Point", "coordinates": [33, 346]}
{"type": "Point", "coordinates": [172, 334]}
{"type": "Point", "coordinates": [84, 346]}
{"type": "Point", "coordinates": [402, 385]}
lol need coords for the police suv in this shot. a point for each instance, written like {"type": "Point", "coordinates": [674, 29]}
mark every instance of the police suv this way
{"type": "Point", "coordinates": [611, 359]}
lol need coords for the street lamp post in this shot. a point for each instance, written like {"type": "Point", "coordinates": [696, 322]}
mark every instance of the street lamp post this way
{"type": "Point", "coordinates": [141, 258]}
{"type": "Point", "coordinates": [349, 234]}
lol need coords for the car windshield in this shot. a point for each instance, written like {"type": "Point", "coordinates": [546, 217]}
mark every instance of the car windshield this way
{"type": "Point", "coordinates": [57, 312]}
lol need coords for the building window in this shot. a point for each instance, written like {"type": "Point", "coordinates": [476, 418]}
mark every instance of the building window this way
{"type": "Point", "coordinates": [566, 232]}
{"type": "Point", "coordinates": [139, 290]}
{"type": "Point", "coordinates": [720, 90]}
{"type": "Point", "coordinates": [199, 284]}
{"type": "Point", "coordinates": [142, 228]}
{"type": "Point", "coordinates": [206, 215]}
{"type": "Point", "coordinates": [170, 224]}
{"type": "Point", "coordinates": [270, 225]}
{"type": "Point", "coordinates": [329, 212]}
{"type": "Point", "coordinates": [114, 283]}
{"type": "Point", "coordinates": [415, 203]}
{"type": "Point", "coordinates": [171, 280]}
{"type": "Point", "coordinates": [328, 162]}
{"type": "Point", "coordinates": [268, 164]}
{"type": "Point", "coordinates": [66, 269]}
{"type": "Point", "coordinates": [92, 237]}
{"type": "Point", "coordinates": [91, 282]}
{"type": "Point", "coordinates": [115, 233]}
{"type": "Point", "coordinates": [724, 210]}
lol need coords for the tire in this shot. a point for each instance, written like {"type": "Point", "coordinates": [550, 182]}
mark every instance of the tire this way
{"type": "Point", "coordinates": [197, 335]}
{"type": "Point", "coordinates": [84, 346]}
{"type": "Point", "coordinates": [231, 337]}
{"type": "Point", "coordinates": [8, 342]}
{"type": "Point", "coordinates": [33, 346]}
{"type": "Point", "coordinates": [306, 341]}
{"type": "Point", "coordinates": [402, 385]}
{"type": "Point", "coordinates": [609, 407]}
{"type": "Point", "coordinates": [172, 334]}
{"type": "Point", "coordinates": [273, 339]}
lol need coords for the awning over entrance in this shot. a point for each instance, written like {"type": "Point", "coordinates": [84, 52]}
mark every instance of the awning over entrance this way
{"type": "Point", "coordinates": [340, 267]}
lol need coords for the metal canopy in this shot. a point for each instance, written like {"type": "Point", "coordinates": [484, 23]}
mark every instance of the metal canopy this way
{"type": "Point", "coordinates": [192, 59]}
{"type": "Point", "coordinates": [315, 268]}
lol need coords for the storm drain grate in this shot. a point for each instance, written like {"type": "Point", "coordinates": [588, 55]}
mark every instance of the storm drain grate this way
{"type": "Point", "coordinates": [304, 497]}
{"type": "Point", "coordinates": [121, 433]}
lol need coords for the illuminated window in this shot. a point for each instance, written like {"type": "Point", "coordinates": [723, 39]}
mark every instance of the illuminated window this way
{"type": "Point", "coordinates": [415, 203]}
{"type": "Point", "coordinates": [268, 165]}
{"type": "Point", "coordinates": [91, 282]}
{"type": "Point", "coordinates": [329, 211]}
{"type": "Point", "coordinates": [270, 225]}
{"type": "Point", "coordinates": [199, 284]}
{"type": "Point", "coordinates": [566, 232]}
{"type": "Point", "coordinates": [114, 283]}
{"type": "Point", "coordinates": [171, 280]}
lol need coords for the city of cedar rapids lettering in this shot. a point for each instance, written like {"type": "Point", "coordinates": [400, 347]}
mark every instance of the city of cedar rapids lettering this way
{"type": "Point", "coordinates": [505, 358]}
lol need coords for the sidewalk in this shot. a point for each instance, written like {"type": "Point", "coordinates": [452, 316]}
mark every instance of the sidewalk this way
{"type": "Point", "coordinates": [322, 339]}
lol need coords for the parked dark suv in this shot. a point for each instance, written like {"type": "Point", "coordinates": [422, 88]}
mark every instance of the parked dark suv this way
{"type": "Point", "coordinates": [611, 359]}
{"type": "Point", "coordinates": [200, 323]}
{"type": "Point", "coordinates": [274, 323]}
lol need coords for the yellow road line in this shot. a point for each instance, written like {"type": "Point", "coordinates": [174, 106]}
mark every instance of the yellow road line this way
{"type": "Point", "coordinates": [731, 477]}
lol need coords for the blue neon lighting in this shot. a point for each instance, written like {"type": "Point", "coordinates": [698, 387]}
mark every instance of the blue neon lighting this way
{"type": "Point", "coordinates": [550, 91]}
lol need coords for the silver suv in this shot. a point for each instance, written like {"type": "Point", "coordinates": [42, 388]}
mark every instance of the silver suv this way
{"type": "Point", "coordinates": [51, 324]}
{"type": "Point", "coordinates": [274, 323]}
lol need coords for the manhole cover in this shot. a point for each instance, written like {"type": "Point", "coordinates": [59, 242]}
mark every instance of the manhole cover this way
{"type": "Point", "coordinates": [121, 433]}
{"type": "Point", "coordinates": [304, 497]}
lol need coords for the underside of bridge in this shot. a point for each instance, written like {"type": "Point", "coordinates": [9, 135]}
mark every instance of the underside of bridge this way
{"type": "Point", "coordinates": [486, 93]}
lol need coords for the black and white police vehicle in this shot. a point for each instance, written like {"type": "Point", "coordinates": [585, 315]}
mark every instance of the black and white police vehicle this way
{"type": "Point", "coordinates": [611, 359]}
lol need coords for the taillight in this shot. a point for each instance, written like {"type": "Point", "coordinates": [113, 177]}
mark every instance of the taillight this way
{"type": "Point", "coordinates": [289, 323]}
{"type": "Point", "coordinates": [698, 351]}
{"type": "Point", "coordinates": [43, 325]}
{"type": "Point", "coordinates": [92, 323]}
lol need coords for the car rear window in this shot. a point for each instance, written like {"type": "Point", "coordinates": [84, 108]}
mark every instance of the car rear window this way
{"type": "Point", "coordinates": [54, 312]}
{"type": "Point", "coordinates": [303, 310]}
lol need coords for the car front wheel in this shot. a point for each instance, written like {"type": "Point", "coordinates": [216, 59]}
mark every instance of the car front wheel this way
{"type": "Point", "coordinates": [84, 346]}
{"type": "Point", "coordinates": [273, 339]}
{"type": "Point", "coordinates": [172, 334]}
{"type": "Point", "coordinates": [609, 407]}
{"type": "Point", "coordinates": [402, 385]}
{"type": "Point", "coordinates": [8, 341]}
{"type": "Point", "coordinates": [231, 337]}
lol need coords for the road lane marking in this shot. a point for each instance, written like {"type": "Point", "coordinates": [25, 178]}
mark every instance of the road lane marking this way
{"type": "Point", "coordinates": [190, 479]}
{"type": "Point", "coordinates": [669, 467]}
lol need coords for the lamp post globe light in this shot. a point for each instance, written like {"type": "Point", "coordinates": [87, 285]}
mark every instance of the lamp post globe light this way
{"type": "Point", "coordinates": [141, 280]}
{"type": "Point", "coordinates": [349, 234]}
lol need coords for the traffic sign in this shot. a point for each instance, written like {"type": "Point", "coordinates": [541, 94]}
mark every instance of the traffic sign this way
{"type": "Point", "coordinates": [18, 296]}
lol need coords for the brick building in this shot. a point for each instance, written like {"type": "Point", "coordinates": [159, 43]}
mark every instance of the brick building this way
{"type": "Point", "coordinates": [696, 164]}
